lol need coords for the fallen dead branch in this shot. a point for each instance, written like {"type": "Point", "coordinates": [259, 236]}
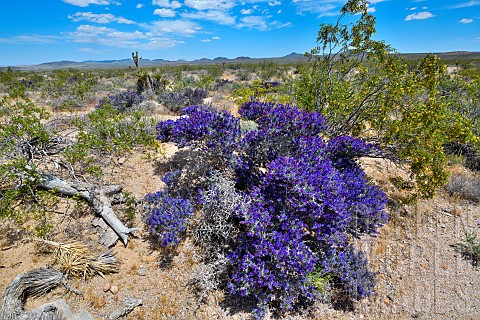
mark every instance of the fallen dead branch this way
{"type": "Point", "coordinates": [99, 198]}
{"type": "Point", "coordinates": [36, 283]}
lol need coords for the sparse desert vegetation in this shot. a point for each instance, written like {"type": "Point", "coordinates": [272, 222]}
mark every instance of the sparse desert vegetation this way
{"type": "Point", "coordinates": [342, 187]}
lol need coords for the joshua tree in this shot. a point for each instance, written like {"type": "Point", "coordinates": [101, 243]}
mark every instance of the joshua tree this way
{"type": "Point", "coordinates": [135, 58]}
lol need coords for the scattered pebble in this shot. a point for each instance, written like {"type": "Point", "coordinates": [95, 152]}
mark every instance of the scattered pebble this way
{"type": "Point", "coordinates": [142, 271]}
{"type": "Point", "coordinates": [114, 289]}
{"type": "Point", "coordinates": [106, 287]}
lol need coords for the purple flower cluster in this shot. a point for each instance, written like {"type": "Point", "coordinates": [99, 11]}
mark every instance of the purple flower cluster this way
{"type": "Point", "coordinates": [123, 101]}
{"type": "Point", "coordinates": [167, 217]}
{"type": "Point", "coordinates": [270, 84]}
{"type": "Point", "coordinates": [351, 270]}
{"type": "Point", "coordinates": [202, 127]}
{"type": "Point", "coordinates": [303, 195]}
{"type": "Point", "coordinates": [175, 100]}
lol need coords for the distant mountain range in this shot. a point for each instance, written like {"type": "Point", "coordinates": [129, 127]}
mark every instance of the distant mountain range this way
{"type": "Point", "coordinates": [292, 57]}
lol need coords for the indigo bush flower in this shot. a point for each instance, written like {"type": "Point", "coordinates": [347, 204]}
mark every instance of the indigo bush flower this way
{"type": "Point", "coordinates": [203, 127]}
{"type": "Point", "coordinates": [167, 217]}
{"type": "Point", "coordinates": [123, 101]}
{"type": "Point", "coordinates": [175, 100]}
{"type": "Point", "coordinates": [351, 269]}
{"type": "Point", "coordinates": [301, 195]}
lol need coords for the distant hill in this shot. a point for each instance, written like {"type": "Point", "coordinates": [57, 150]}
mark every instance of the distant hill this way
{"type": "Point", "coordinates": [290, 58]}
{"type": "Point", "coordinates": [454, 55]}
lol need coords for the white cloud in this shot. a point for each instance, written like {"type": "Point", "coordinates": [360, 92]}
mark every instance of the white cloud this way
{"type": "Point", "coordinates": [412, 9]}
{"type": "Point", "coordinates": [246, 11]}
{"type": "Point", "coordinates": [274, 3]}
{"type": "Point", "coordinates": [321, 7]}
{"type": "Point", "coordinates": [376, 1]}
{"type": "Point", "coordinates": [279, 11]}
{"type": "Point", "coordinates": [167, 4]}
{"type": "Point", "coordinates": [107, 36]}
{"type": "Point", "coordinates": [159, 43]}
{"type": "Point", "coordinates": [164, 13]}
{"type": "Point", "coordinates": [86, 3]}
{"type": "Point", "coordinates": [210, 40]}
{"type": "Point", "coordinates": [217, 16]}
{"type": "Point", "coordinates": [424, 8]}
{"type": "Point", "coordinates": [419, 16]}
{"type": "Point", "coordinates": [140, 6]}
{"type": "Point", "coordinates": [254, 22]}
{"type": "Point", "coordinates": [466, 21]}
{"type": "Point", "coordinates": [99, 18]}
{"type": "Point", "coordinates": [470, 3]}
{"type": "Point", "coordinates": [114, 38]}
{"type": "Point", "coordinates": [371, 9]}
{"type": "Point", "coordinates": [91, 50]}
{"type": "Point", "coordinates": [177, 27]}
{"type": "Point", "coordinates": [210, 4]}
{"type": "Point", "coordinates": [32, 39]}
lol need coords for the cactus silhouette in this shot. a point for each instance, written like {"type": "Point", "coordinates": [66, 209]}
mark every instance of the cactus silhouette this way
{"type": "Point", "coordinates": [136, 58]}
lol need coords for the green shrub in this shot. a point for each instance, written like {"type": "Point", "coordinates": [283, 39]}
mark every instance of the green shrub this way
{"type": "Point", "coordinates": [364, 89]}
{"type": "Point", "coordinates": [107, 132]}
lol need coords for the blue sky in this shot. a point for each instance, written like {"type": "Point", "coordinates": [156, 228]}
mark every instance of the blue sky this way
{"type": "Point", "coordinates": [34, 31]}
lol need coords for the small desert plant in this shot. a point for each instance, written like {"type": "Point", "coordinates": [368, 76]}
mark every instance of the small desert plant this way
{"type": "Point", "coordinates": [106, 132]}
{"type": "Point", "coordinates": [122, 102]}
{"type": "Point", "coordinates": [175, 100]}
{"type": "Point", "coordinates": [68, 89]}
{"type": "Point", "coordinates": [466, 186]}
{"type": "Point", "coordinates": [269, 91]}
{"type": "Point", "coordinates": [471, 248]}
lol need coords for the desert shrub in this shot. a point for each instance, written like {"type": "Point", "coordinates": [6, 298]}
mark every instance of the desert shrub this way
{"type": "Point", "coordinates": [106, 132]}
{"type": "Point", "coordinates": [297, 197]}
{"type": "Point", "coordinates": [271, 91]}
{"type": "Point", "coordinates": [23, 140]}
{"type": "Point", "coordinates": [68, 89]}
{"type": "Point", "coordinates": [122, 101]}
{"type": "Point", "coordinates": [167, 217]}
{"type": "Point", "coordinates": [350, 270]}
{"type": "Point", "coordinates": [461, 92]}
{"type": "Point", "coordinates": [175, 100]}
{"type": "Point", "coordinates": [470, 248]}
{"type": "Point", "coordinates": [218, 204]}
{"type": "Point", "coordinates": [151, 81]}
{"type": "Point", "coordinates": [465, 186]}
{"type": "Point", "coordinates": [363, 89]}
{"type": "Point", "coordinates": [243, 75]}
{"type": "Point", "coordinates": [216, 132]}
{"type": "Point", "coordinates": [215, 231]}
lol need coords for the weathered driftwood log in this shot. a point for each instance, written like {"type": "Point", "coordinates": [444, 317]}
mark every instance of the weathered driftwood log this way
{"type": "Point", "coordinates": [36, 283]}
{"type": "Point", "coordinates": [99, 198]}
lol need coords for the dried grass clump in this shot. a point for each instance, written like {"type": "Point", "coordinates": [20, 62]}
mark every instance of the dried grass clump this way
{"type": "Point", "coordinates": [465, 186]}
{"type": "Point", "coordinates": [76, 259]}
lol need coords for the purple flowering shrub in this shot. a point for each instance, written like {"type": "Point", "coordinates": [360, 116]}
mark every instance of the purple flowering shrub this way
{"type": "Point", "coordinates": [176, 100]}
{"type": "Point", "coordinates": [350, 268]}
{"type": "Point", "coordinates": [302, 196]}
{"type": "Point", "coordinates": [122, 101]}
{"type": "Point", "coordinates": [202, 127]}
{"type": "Point", "coordinates": [167, 217]}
